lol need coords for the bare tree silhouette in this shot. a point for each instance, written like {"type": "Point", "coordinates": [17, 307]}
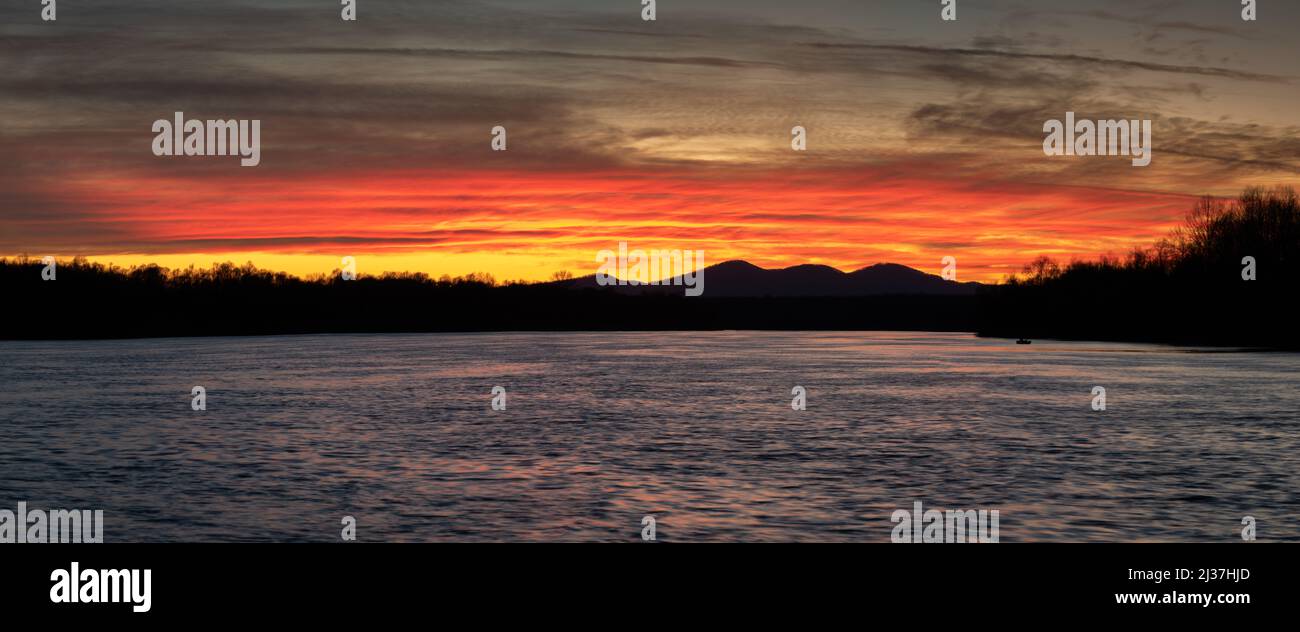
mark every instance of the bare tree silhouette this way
{"type": "Point", "coordinates": [1186, 288]}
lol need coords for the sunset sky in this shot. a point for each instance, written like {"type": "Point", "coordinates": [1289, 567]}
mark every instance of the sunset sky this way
{"type": "Point", "coordinates": [924, 137]}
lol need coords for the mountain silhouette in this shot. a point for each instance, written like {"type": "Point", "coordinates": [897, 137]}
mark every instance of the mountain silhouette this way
{"type": "Point", "coordinates": [743, 279]}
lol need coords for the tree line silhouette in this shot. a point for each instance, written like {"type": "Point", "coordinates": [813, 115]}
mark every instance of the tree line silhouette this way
{"type": "Point", "coordinates": [1188, 288]}
{"type": "Point", "coordinates": [94, 300]}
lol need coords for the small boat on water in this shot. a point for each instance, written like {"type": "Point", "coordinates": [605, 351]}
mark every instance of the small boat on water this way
{"type": "Point", "coordinates": [1024, 341]}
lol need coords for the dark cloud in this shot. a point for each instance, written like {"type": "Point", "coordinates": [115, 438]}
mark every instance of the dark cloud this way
{"type": "Point", "coordinates": [1061, 58]}
{"type": "Point", "coordinates": [712, 89]}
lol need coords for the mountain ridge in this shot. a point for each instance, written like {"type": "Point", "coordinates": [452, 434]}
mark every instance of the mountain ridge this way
{"type": "Point", "coordinates": [740, 278]}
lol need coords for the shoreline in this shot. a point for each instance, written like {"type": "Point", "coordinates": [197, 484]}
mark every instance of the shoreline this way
{"type": "Point", "coordinates": [1193, 347]}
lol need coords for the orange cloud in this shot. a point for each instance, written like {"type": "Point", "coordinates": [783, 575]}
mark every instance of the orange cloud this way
{"type": "Point", "coordinates": [529, 224]}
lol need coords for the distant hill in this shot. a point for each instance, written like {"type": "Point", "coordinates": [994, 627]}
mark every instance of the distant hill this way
{"type": "Point", "coordinates": [744, 279]}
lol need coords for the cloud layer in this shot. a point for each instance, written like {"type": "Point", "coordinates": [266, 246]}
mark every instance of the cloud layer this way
{"type": "Point", "coordinates": [924, 137]}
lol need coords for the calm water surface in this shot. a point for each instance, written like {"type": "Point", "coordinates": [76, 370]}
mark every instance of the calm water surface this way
{"type": "Point", "coordinates": [604, 428]}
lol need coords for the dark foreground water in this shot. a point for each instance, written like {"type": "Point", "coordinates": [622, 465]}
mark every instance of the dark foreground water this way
{"type": "Point", "coordinates": [602, 429]}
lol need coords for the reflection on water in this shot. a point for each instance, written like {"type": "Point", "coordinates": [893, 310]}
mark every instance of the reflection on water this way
{"type": "Point", "coordinates": [604, 428]}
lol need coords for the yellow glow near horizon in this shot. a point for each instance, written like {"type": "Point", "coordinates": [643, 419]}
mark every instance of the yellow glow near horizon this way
{"type": "Point", "coordinates": [501, 266]}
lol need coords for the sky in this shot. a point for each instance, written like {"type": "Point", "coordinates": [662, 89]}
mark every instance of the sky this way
{"type": "Point", "coordinates": [924, 137]}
